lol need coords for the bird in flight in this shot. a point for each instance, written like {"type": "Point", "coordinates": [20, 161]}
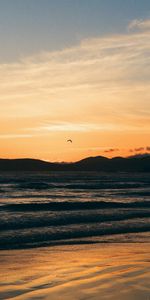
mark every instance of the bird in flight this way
{"type": "Point", "coordinates": [70, 141]}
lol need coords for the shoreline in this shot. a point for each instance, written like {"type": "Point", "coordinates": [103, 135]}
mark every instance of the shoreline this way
{"type": "Point", "coordinates": [68, 272]}
{"type": "Point", "coordinates": [132, 237]}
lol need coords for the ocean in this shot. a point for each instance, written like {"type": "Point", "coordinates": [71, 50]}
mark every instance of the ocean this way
{"type": "Point", "coordinates": [62, 208]}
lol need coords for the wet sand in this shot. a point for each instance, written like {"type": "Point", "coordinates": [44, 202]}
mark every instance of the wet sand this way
{"type": "Point", "coordinates": [98, 271]}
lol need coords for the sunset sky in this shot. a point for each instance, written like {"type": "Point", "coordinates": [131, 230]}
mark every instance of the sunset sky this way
{"type": "Point", "coordinates": [74, 69]}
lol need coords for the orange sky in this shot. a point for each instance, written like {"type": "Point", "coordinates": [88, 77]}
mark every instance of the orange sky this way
{"type": "Point", "coordinates": [96, 93]}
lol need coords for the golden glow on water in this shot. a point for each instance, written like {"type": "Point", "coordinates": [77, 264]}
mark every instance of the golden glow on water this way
{"type": "Point", "coordinates": [105, 271]}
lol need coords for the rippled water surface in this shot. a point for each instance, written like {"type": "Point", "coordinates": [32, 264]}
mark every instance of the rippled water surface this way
{"type": "Point", "coordinates": [62, 208]}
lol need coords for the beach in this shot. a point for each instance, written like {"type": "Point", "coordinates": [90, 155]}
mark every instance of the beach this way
{"type": "Point", "coordinates": [90, 271]}
{"type": "Point", "coordinates": [72, 236]}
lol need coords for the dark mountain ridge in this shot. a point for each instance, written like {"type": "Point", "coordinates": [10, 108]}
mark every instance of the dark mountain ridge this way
{"type": "Point", "coordinates": [98, 163]}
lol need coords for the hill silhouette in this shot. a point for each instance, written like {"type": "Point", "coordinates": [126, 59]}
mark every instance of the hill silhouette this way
{"type": "Point", "coordinates": [98, 163]}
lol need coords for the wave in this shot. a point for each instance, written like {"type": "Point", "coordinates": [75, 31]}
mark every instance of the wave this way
{"type": "Point", "coordinates": [47, 219]}
{"type": "Point", "coordinates": [73, 183]}
{"type": "Point", "coordinates": [80, 186]}
{"type": "Point", "coordinates": [66, 205]}
{"type": "Point", "coordinates": [14, 239]}
{"type": "Point", "coordinates": [37, 210]}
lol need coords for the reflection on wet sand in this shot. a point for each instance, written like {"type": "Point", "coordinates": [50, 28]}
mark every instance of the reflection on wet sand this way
{"type": "Point", "coordinates": [104, 271]}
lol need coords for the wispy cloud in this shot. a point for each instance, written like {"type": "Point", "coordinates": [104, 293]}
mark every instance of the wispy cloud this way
{"type": "Point", "coordinates": [111, 150]}
{"type": "Point", "coordinates": [139, 149]}
{"type": "Point", "coordinates": [45, 128]}
{"type": "Point", "coordinates": [139, 24]}
{"type": "Point", "coordinates": [15, 136]}
{"type": "Point", "coordinates": [102, 78]}
{"type": "Point", "coordinates": [70, 126]}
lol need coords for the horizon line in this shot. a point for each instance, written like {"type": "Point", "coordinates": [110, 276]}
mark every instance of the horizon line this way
{"type": "Point", "coordinates": [70, 162]}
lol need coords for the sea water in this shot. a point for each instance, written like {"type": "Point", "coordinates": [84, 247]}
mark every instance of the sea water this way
{"type": "Point", "coordinates": [40, 209]}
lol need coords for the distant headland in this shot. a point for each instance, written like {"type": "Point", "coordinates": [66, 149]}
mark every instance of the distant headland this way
{"type": "Point", "coordinates": [137, 163]}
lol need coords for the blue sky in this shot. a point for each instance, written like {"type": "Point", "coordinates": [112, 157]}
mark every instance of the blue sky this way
{"type": "Point", "coordinates": [31, 26]}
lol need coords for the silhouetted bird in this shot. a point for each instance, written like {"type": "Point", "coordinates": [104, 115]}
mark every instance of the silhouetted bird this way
{"type": "Point", "coordinates": [70, 141]}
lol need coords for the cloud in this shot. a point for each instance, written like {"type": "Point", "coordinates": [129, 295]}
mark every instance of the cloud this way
{"type": "Point", "coordinates": [111, 150]}
{"type": "Point", "coordinates": [139, 149]}
{"type": "Point", "coordinates": [148, 148]}
{"type": "Point", "coordinates": [46, 127]}
{"type": "Point", "coordinates": [100, 84]}
{"type": "Point", "coordinates": [15, 136]}
{"type": "Point", "coordinates": [139, 24]}
{"type": "Point", "coordinates": [70, 126]}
